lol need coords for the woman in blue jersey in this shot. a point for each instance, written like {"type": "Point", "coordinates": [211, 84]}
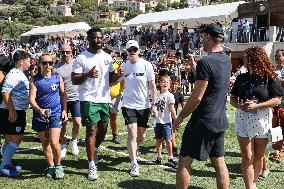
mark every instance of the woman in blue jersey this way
{"type": "Point", "coordinates": [49, 101]}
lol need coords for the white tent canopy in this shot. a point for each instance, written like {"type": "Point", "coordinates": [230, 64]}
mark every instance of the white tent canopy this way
{"type": "Point", "coordinates": [67, 30]}
{"type": "Point", "coordinates": [191, 17]}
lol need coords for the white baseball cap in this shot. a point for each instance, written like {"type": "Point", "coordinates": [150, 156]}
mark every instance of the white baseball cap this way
{"type": "Point", "coordinates": [132, 43]}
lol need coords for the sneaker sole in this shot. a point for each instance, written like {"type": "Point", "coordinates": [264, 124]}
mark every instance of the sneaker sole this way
{"type": "Point", "coordinates": [92, 179]}
{"type": "Point", "coordinates": [57, 178]}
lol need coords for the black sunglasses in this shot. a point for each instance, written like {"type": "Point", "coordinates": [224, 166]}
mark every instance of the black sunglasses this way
{"type": "Point", "coordinates": [44, 63]}
{"type": "Point", "coordinates": [65, 52]}
{"type": "Point", "coordinates": [134, 49]}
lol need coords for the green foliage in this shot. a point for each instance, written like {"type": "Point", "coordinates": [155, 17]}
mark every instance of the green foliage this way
{"type": "Point", "coordinates": [60, 2]}
{"type": "Point", "coordinates": [160, 7]}
{"type": "Point", "coordinates": [103, 8]}
{"type": "Point", "coordinates": [87, 4]}
{"type": "Point", "coordinates": [76, 8]}
{"type": "Point", "coordinates": [11, 2]}
{"type": "Point", "coordinates": [132, 14]}
{"type": "Point", "coordinates": [12, 30]}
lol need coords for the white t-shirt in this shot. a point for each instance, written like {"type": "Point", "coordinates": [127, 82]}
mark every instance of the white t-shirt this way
{"type": "Point", "coordinates": [95, 90]}
{"type": "Point", "coordinates": [136, 87]}
{"type": "Point", "coordinates": [16, 83]}
{"type": "Point", "coordinates": [163, 106]}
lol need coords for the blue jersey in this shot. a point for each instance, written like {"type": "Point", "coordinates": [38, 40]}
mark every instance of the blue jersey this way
{"type": "Point", "coordinates": [48, 94]}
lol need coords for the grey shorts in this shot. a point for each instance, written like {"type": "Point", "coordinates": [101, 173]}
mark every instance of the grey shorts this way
{"type": "Point", "coordinates": [115, 104]}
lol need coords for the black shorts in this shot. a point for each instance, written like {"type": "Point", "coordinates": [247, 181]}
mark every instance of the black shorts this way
{"type": "Point", "coordinates": [74, 108]}
{"type": "Point", "coordinates": [140, 117]}
{"type": "Point", "coordinates": [200, 143]}
{"type": "Point", "coordinates": [17, 128]}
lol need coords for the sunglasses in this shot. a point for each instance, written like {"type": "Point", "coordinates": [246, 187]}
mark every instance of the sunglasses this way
{"type": "Point", "coordinates": [66, 52]}
{"type": "Point", "coordinates": [135, 49]}
{"type": "Point", "coordinates": [45, 63]}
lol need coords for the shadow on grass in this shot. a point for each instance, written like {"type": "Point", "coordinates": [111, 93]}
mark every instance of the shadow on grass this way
{"type": "Point", "coordinates": [33, 168]}
{"type": "Point", "coordinates": [234, 169]}
{"type": "Point", "coordinates": [233, 154]}
{"type": "Point", "coordinates": [142, 184]}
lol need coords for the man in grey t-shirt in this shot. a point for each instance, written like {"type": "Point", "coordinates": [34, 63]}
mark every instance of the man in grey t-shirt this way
{"type": "Point", "coordinates": [64, 69]}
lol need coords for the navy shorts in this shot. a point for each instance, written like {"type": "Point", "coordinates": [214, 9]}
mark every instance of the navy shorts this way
{"type": "Point", "coordinates": [140, 117]}
{"type": "Point", "coordinates": [163, 131]}
{"type": "Point", "coordinates": [39, 124]}
{"type": "Point", "coordinates": [200, 143]}
{"type": "Point", "coordinates": [74, 108]}
{"type": "Point", "coordinates": [17, 128]}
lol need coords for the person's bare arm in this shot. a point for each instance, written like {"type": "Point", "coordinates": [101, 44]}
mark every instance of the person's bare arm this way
{"type": "Point", "coordinates": [192, 102]}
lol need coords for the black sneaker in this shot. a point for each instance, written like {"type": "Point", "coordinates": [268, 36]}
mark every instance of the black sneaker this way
{"type": "Point", "coordinates": [175, 151]}
{"type": "Point", "coordinates": [158, 161]}
{"type": "Point", "coordinates": [115, 139]}
{"type": "Point", "coordinates": [173, 162]}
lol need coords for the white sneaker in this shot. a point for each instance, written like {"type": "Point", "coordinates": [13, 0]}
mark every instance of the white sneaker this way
{"type": "Point", "coordinates": [93, 174]}
{"type": "Point", "coordinates": [74, 147]}
{"type": "Point", "coordinates": [134, 170]}
{"type": "Point", "coordinates": [63, 152]}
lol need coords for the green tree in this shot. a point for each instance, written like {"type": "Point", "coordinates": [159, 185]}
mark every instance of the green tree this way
{"type": "Point", "coordinates": [45, 3]}
{"type": "Point", "coordinates": [60, 2]}
{"type": "Point", "coordinates": [132, 14]}
{"type": "Point", "coordinates": [147, 8]}
{"type": "Point", "coordinates": [76, 8]}
{"type": "Point", "coordinates": [160, 7]}
{"type": "Point", "coordinates": [87, 4]}
{"type": "Point", "coordinates": [11, 2]}
{"type": "Point", "coordinates": [103, 8]}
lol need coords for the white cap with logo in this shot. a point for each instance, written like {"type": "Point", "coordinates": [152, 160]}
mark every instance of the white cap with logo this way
{"type": "Point", "coordinates": [132, 43]}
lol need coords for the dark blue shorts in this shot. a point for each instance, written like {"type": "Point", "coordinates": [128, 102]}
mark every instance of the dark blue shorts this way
{"type": "Point", "coordinates": [40, 124]}
{"type": "Point", "coordinates": [163, 131]}
{"type": "Point", "coordinates": [74, 108]}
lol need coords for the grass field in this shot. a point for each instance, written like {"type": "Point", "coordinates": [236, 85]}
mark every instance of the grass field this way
{"type": "Point", "coordinates": [114, 166]}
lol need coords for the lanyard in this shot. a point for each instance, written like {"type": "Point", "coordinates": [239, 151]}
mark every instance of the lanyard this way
{"type": "Point", "coordinates": [251, 86]}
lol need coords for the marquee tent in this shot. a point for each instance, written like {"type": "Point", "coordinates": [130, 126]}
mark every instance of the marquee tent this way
{"type": "Point", "coordinates": [69, 29]}
{"type": "Point", "coordinates": [192, 17]}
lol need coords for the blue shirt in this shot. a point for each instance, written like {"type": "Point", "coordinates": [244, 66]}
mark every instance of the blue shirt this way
{"type": "Point", "coordinates": [48, 94]}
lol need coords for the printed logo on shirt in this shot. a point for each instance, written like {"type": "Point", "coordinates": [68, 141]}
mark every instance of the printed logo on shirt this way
{"type": "Point", "coordinates": [54, 86]}
{"type": "Point", "coordinates": [161, 104]}
{"type": "Point", "coordinates": [106, 62]}
{"type": "Point", "coordinates": [138, 74]}
{"type": "Point", "coordinates": [18, 129]}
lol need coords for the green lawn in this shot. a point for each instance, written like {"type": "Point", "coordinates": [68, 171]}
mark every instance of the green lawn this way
{"type": "Point", "coordinates": [114, 166]}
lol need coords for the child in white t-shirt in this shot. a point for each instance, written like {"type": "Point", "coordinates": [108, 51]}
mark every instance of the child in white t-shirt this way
{"type": "Point", "coordinates": [163, 126]}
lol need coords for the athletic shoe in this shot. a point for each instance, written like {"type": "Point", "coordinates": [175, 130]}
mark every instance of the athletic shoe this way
{"type": "Point", "coordinates": [96, 160]}
{"type": "Point", "coordinates": [50, 172]}
{"type": "Point", "coordinates": [16, 167]}
{"type": "Point", "coordinates": [9, 171]}
{"type": "Point", "coordinates": [173, 162]}
{"type": "Point", "coordinates": [134, 170]}
{"type": "Point", "coordinates": [63, 152]}
{"type": "Point", "coordinates": [175, 151]}
{"type": "Point", "coordinates": [74, 146]}
{"type": "Point", "coordinates": [58, 172]}
{"type": "Point", "coordinates": [115, 139]}
{"type": "Point", "coordinates": [93, 173]}
{"type": "Point", "coordinates": [158, 161]}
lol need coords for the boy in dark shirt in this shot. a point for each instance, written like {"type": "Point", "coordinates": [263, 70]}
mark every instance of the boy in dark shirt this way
{"type": "Point", "coordinates": [179, 99]}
